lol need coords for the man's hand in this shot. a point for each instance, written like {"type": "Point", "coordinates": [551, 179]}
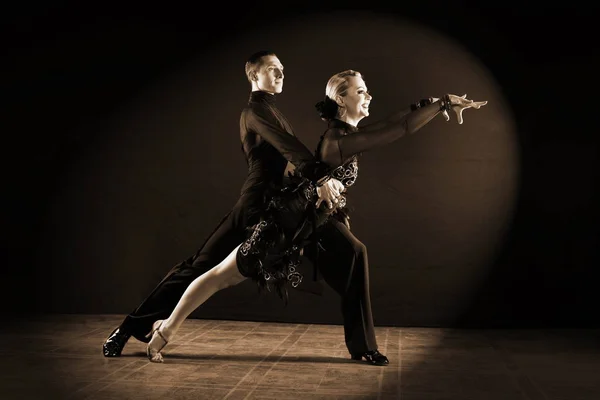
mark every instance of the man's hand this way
{"type": "Point", "coordinates": [459, 104]}
{"type": "Point", "coordinates": [329, 192]}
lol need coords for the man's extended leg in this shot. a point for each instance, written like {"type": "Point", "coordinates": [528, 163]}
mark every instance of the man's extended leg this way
{"type": "Point", "coordinates": [161, 302]}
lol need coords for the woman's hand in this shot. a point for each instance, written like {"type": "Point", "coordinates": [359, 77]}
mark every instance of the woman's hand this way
{"type": "Point", "coordinates": [330, 192]}
{"type": "Point", "coordinates": [459, 104]}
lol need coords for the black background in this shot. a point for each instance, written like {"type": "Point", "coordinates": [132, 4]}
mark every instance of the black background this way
{"type": "Point", "coordinates": [73, 66]}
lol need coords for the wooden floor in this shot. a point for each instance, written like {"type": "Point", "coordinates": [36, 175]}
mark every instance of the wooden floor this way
{"type": "Point", "coordinates": [59, 357]}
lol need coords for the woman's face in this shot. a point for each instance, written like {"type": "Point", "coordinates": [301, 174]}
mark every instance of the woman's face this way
{"type": "Point", "coordinates": [357, 99]}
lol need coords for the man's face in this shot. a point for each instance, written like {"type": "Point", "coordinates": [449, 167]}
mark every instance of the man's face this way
{"type": "Point", "coordinates": [269, 76]}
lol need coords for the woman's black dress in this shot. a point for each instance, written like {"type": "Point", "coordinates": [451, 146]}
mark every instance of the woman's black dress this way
{"type": "Point", "coordinates": [270, 255]}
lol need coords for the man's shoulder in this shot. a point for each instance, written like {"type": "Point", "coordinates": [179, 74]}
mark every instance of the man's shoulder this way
{"type": "Point", "coordinates": [248, 109]}
{"type": "Point", "coordinates": [256, 110]}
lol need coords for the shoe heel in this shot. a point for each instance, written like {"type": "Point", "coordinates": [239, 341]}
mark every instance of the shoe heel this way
{"type": "Point", "coordinates": [155, 326]}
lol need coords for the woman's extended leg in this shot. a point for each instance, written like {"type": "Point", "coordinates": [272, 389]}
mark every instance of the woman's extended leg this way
{"type": "Point", "coordinates": [222, 276]}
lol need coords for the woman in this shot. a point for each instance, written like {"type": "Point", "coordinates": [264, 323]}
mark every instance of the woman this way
{"type": "Point", "coordinates": [271, 252]}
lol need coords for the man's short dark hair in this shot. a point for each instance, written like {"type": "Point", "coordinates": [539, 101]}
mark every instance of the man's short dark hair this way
{"type": "Point", "coordinates": [254, 62]}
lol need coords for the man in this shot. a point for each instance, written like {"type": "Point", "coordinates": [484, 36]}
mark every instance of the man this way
{"type": "Point", "coordinates": [271, 150]}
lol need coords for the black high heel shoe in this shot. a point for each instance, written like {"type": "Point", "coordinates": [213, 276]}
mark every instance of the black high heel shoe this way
{"type": "Point", "coordinates": [373, 357]}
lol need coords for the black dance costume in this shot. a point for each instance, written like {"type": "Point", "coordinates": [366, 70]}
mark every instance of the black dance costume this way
{"type": "Point", "coordinates": [280, 212]}
{"type": "Point", "coordinates": [270, 255]}
{"type": "Point", "coordinates": [269, 145]}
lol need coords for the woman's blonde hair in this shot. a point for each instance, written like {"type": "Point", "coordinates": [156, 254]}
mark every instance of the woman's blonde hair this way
{"type": "Point", "coordinates": [337, 85]}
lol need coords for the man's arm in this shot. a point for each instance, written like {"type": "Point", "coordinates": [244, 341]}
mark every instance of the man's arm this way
{"type": "Point", "coordinates": [293, 150]}
{"type": "Point", "coordinates": [290, 147]}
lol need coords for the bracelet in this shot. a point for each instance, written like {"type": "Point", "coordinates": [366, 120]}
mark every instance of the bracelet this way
{"type": "Point", "coordinates": [445, 103]}
{"type": "Point", "coordinates": [323, 180]}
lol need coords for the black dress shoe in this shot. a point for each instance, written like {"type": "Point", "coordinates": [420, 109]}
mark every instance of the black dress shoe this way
{"type": "Point", "coordinates": [373, 357]}
{"type": "Point", "coordinates": [113, 346]}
